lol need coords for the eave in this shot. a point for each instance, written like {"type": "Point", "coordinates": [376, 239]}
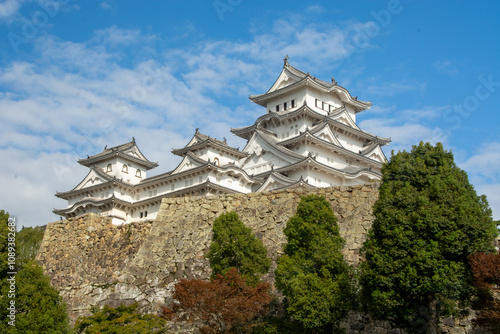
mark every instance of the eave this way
{"type": "Point", "coordinates": [310, 162]}
{"type": "Point", "coordinates": [308, 136]}
{"type": "Point", "coordinates": [309, 81]}
{"type": "Point", "coordinates": [92, 201]}
{"type": "Point", "coordinates": [92, 161]}
{"type": "Point", "coordinates": [210, 143]}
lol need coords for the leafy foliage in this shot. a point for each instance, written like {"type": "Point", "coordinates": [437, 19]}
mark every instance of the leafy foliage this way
{"type": "Point", "coordinates": [235, 246]}
{"type": "Point", "coordinates": [225, 304]}
{"type": "Point", "coordinates": [312, 273]}
{"type": "Point", "coordinates": [486, 271]}
{"type": "Point", "coordinates": [39, 307]}
{"type": "Point", "coordinates": [428, 220]}
{"type": "Point", "coordinates": [119, 320]}
{"type": "Point", "coordinates": [4, 231]}
{"type": "Point", "coordinates": [28, 243]}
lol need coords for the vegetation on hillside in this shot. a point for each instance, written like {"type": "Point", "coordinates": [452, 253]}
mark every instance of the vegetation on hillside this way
{"type": "Point", "coordinates": [119, 320]}
{"type": "Point", "coordinates": [312, 273]}
{"type": "Point", "coordinates": [428, 220]}
{"type": "Point", "coordinates": [27, 299]}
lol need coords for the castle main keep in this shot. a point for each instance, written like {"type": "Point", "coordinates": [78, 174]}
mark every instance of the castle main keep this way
{"type": "Point", "coordinates": [306, 138]}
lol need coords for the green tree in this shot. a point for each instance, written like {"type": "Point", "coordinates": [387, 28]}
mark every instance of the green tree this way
{"type": "Point", "coordinates": [28, 242]}
{"type": "Point", "coordinates": [428, 220]}
{"type": "Point", "coordinates": [120, 320]}
{"type": "Point", "coordinates": [312, 273]}
{"type": "Point", "coordinates": [38, 306]}
{"type": "Point", "coordinates": [4, 237]}
{"type": "Point", "coordinates": [235, 246]}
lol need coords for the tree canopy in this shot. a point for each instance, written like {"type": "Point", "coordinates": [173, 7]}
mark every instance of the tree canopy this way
{"type": "Point", "coordinates": [39, 307]}
{"type": "Point", "coordinates": [226, 304]}
{"type": "Point", "coordinates": [428, 220]}
{"type": "Point", "coordinates": [28, 242]}
{"type": "Point", "coordinates": [235, 246]}
{"type": "Point", "coordinates": [312, 273]}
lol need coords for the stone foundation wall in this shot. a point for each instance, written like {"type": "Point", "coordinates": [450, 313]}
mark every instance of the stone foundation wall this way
{"type": "Point", "coordinates": [94, 262]}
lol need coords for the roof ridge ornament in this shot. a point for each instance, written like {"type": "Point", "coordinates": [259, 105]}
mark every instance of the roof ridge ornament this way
{"type": "Point", "coordinates": [285, 61]}
{"type": "Point", "coordinates": [334, 82]}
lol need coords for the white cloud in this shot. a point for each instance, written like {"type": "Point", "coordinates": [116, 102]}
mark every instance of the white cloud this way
{"type": "Point", "coordinates": [115, 36]}
{"type": "Point", "coordinates": [9, 8]}
{"type": "Point", "coordinates": [379, 87]}
{"type": "Point", "coordinates": [105, 5]}
{"type": "Point", "coordinates": [483, 169]}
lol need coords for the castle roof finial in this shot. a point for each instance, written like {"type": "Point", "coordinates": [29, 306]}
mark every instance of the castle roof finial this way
{"type": "Point", "coordinates": [285, 60]}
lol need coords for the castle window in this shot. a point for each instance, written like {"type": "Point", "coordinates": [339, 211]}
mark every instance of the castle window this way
{"type": "Point", "coordinates": [109, 168]}
{"type": "Point", "coordinates": [172, 187]}
{"type": "Point", "coordinates": [142, 214]}
{"type": "Point", "coordinates": [284, 106]}
{"type": "Point", "coordinates": [216, 161]}
{"type": "Point", "coordinates": [278, 107]}
{"type": "Point", "coordinates": [138, 173]}
{"type": "Point", "coordinates": [199, 179]}
{"type": "Point", "coordinates": [293, 103]}
{"type": "Point", "coordinates": [317, 103]}
{"type": "Point", "coordinates": [125, 169]}
{"type": "Point", "coordinates": [186, 183]}
{"type": "Point", "coordinates": [145, 213]}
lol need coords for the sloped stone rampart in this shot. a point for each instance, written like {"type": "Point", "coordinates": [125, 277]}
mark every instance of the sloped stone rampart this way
{"type": "Point", "coordinates": [94, 262]}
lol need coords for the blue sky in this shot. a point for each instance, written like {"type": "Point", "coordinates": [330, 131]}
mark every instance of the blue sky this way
{"type": "Point", "coordinates": [78, 75]}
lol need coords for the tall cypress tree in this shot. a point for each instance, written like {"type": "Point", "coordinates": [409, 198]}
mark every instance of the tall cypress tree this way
{"type": "Point", "coordinates": [235, 246]}
{"type": "Point", "coordinates": [428, 220]}
{"type": "Point", "coordinates": [312, 273]}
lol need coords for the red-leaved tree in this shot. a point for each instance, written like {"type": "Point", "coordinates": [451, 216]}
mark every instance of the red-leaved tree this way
{"type": "Point", "coordinates": [486, 271]}
{"type": "Point", "coordinates": [223, 305]}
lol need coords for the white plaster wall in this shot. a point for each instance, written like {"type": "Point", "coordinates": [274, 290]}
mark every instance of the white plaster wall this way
{"type": "Point", "coordinates": [298, 96]}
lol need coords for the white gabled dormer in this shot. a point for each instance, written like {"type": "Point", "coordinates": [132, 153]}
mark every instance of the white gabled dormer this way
{"type": "Point", "coordinates": [124, 162]}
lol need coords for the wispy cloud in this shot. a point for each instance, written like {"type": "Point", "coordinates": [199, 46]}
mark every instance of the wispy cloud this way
{"type": "Point", "coordinates": [9, 8]}
{"type": "Point", "coordinates": [446, 66]}
{"type": "Point", "coordinates": [484, 172]}
{"type": "Point", "coordinates": [105, 5]}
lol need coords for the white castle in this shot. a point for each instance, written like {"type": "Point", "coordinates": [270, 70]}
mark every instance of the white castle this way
{"type": "Point", "coordinates": [308, 137]}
